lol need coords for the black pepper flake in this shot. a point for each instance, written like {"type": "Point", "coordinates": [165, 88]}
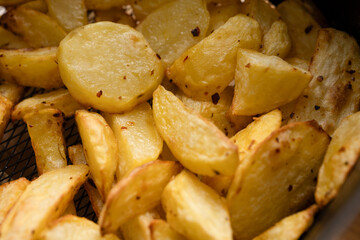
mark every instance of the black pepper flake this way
{"type": "Point", "coordinates": [70, 178]}
{"type": "Point", "coordinates": [349, 86]}
{"type": "Point", "coordinates": [137, 197]}
{"type": "Point", "coordinates": [170, 81]}
{"type": "Point", "coordinates": [215, 98]}
{"type": "Point", "coordinates": [43, 102]}
{"type": "Point", "coordinates": [350, 71]}
{"type": "Point", "coordinates": [56, 114]}
{"type": "Point", "coordinates": [261, 46]}
{"type": "Point", "coordinates": [1, 55]}
{"type": "Point", "coordinates": [292, 115]}
{"type": "Point", "coordinates": [158, 56]}
{"type": "Point", "coordinates": [99, 93]}
{"type": "Point", "coordinates": [152, 72]}
{"type": "Point", "coordinates": [124, 77]}
{"type": "Point", "coordinates": [195, 32]}
{"type": "Point", "coordinates": [349, 62]}
{"type": "Point", "coordinates": [320, 78]}
{"type": "Point", "coordinates": [123, 128]}
{"type": "Point", "coordinates": [277, 150]}
{"type": "Point", "coordinates": [120, 97]}
{"type": "Point", "coordinates": [140, 95]}
{"type": "Point", "coordinates": [306, 96]}
{"type": "Point", "coordinates": [317, 107]}
{"type": "Point", "coordinates": [186, 58]}
{"type": "Point", "coordinates": [226, 132]}
{"type": "Point", "coordinates": [308, 29]}
{"type": "Point", "coordinates": [30, 125]}
{"type": "Point", "coordinates": [186, 86]}
{"type": "Point", "coordinates": [353, 78]}
{"type": "Point", "coordinates": [216, 172]}
{"type": "Point", "coordinates": [290, 188]}
{"type": "Point", "coordinates": [247, 65]}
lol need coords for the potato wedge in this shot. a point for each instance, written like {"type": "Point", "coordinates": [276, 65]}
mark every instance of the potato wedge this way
{"type": "Point", "coordinates": [195, 210]}
{"type": "Point", "coordinates": [70, 14]}
{"type": "Point", "coordinates": [280, 174]}
{"type": "Point", "coordinates": [198, 144]}
{"type": "Point", "coordinates": [111, 86]}
{"type": "Point", "coordinates": [291, 227]}
{"type": "Point", "coordinates": [144, 8]}
{"type": "Point", "coordinates": [37, 5]}
{"type": "Point", "coordinates": [11, 91]}
{"type": "Point", "coordinates": [139, 227]}
{"type": "Point", "coordinates": [333, 92]}
{"type": "Point", "coordinates": [105, 4]}
{"type": "Point", "coordinates": [302, 28]}
{"type": "Point", "coordinates": [8, 40]}
{"type": "Point", "coordinates": [138, 192]}
{"type": "Point", "coordinates": [37, 29]}
{"type": "Point", "coordinates": [74, 228]}
{"type": "Point", "coordinates": [277, 41]}
{"type": "Point", "coordinates": [5, 111]}
{"type": "Point", "coordinates": [216, 111]}
{"type": "Point", "coordinates": [31, 67]}
{"type": "Point", "coordinates": [138, 141]}
{"type": "Point", "coordinates": [219, 14]}
{"type": "Point", "coordinates": [117, 15]}
{"type": "Point", "coordinates": [43, 200]}
{"type": "Point", "coordinates": [47, 124]}
{"type": "Point", "coordinates": [262, 11]}
{"type": "Point", "coordinates": [100, 149]}
{"type": "Point", "coordinates": [58, 99]}
{"type": "Point", "coordinates": [208, 67]}
{"type": "Point", "coordinates": [175, 27]}
{"type": "Point", "coordinates": [263, 83]}
{"type": "Point", "coordinates": [340, 158]}
{"type": "Point", "coordinates": [9, 194]}
{"type": "Point", "coordinates": [161, 230]}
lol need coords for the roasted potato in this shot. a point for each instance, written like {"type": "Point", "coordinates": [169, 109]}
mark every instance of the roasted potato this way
{"type": "Point", "coordinates": [38, 5]}
{"type": "Point", "coordinates": [144, 8]}
{"type": "Point", "coordinates": [161, 230]}
{"type": "Point", "coordinates": [8, 40]}
{"type": "Point", "coordinates": [11, 91]}
{"type": "Point", "coordinates": [5, 111]}
{"type": "Point", "coordinates": [277, 41]}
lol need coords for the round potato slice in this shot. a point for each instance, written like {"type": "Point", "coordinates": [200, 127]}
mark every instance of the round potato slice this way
{"type": "Point", "coordinates": [109, 66]}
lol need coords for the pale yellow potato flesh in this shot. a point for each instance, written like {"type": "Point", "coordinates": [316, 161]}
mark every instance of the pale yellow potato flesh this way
{"type": "Point", "coordinates": [197, 143]}
{"type": "Point", "coordinates": [109, 66]}
{"type": "Point", "coordinates": [175, 27]}
{"type": "Point", "coordinates": [100, 149]}
{"type": "Point", "coordinates": [38, 5]}
{"type": "Point", "coordinates": [9, 194]}
{"type": "Point", "coordinates": [137, 138]}
{"type": "Point", "coordinates": [280, 174]}
{"type": "Point", "coordinates": [262, 11]}
{"type": "Point", "coordinates": [144, 8]}
{"type": "Point", "coordinates": [58, 99]}
{"type": "Point", "coordinates": [139, 227]}
{"type": "Point", "coordinates": [46, 134]}
{"type": "Point", "coordinates": [70, 14]}
{"type": "Point", "coordinates": [161, 230]}
{"type": "Point", "coordinates": [302, 28]}
{"type": "Point", "coordinates": [11, 91]}
{"type": "Point", "coordinates": [208, 67]}
{"type": "Point", "coordinates": [333, 92]}
{"type": "Point", "coordinates": [8, 40]}
{"type": "Point", "coordinates": [5, 111]}
{"type": "Point", "coordinates": [74, 228]}
{"type": "Point", "coordinates": [138, 192]}
{"type": "Point", "coordinates": [220, 14]}
{"type": "Point", "coordinates": [31, 67]}
{"type": "Point", "coordinates": [263, 83]}
{"type": "Point", "coordinates": [195, 210]}
{"type": "Point", "coordinates": [43, 200]}
{"type": "Point", "coordinates": [216, 111]}
{"type": "Point", "coordinates": [105, 4]}
{"type": "Point", "coordinates": [37, 29]}
{"type": "Point", "coordinates": [277, 41]}
{"type": "Point", "coordinates": [340, 158]}
{"type": "Point", "coordinates": [291, 227]}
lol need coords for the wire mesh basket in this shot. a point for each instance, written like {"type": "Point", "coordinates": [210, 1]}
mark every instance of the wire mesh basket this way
{"type": "Point", "coordinates": [17, 158]}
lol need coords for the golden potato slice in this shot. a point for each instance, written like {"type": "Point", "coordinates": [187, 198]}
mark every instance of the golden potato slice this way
{"type": "Point", "coordinates": [291, 227]}
{"type": "Point", "coordinates": [138, 141]}
{"type": "Point", "coordinates": [263, 83]}
{"type": "Point", "coordinates": [31, 67]}
{"type": "Point", "coordinates": [262, 11]}
{"type": "Point", "coordinates": [340, 158]}
{"type": "Point", "coordinates": [302, 28]}
{"type": "Point", "coordinates": [280, 174]}
{"type": "Point", "coordinates": [144, 8]}
{"type": "Point", "coordinates": [8, 40]}
{"type": "Point", "coordinates": [9, 194]}
{"type": "Point", "coordinates": [139, 227]}
{"type": "Point", "coordinates": [161, 230]}
{"type": "Point", "coordinates": [70, 14]}
{"type": "Point", "coordinates": [58, 99]}
{"type": "Point", "coordinates": [38, 5]}
{"type": "Point", "coordinates": [105, 4]}
{"type": "Point", "coordinates": [100, 149]}
{"type": "Point", "coordinates": [198, 144]}
{"type": "Point", "coordinates": [175, 27]}
{"type": "Point", "coordinates": [5, 111]}
{"type": "Point", "coordinates": [109, 66]}
{"type": "Point", "coordinates": [195, 210]}
{"type": "Point", "coordinates": [219, 14]}
{"type": "Point", "coordinates": [43, 200]}
{"type": "Point", "coordinates": [216, 111]}
{"type": "Point", "coordinates": [117, 15]}
{"type": "Point", "coordinates": [11, 91]}
{"type": "Point", "coordinates": [333, 92]}
{"type": "Point", "coordinates": [37, 29]}
{"type": "Point", "coordinates": [138, 192]}
{"type": "Point", "coordinates": [45, 131]}
{"type": "Point", "coordinates": [277, 41]}
{"type": "Point", "coordinates": [74, 228]}
{"type": "Point", "coordinates": [208, 67]}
